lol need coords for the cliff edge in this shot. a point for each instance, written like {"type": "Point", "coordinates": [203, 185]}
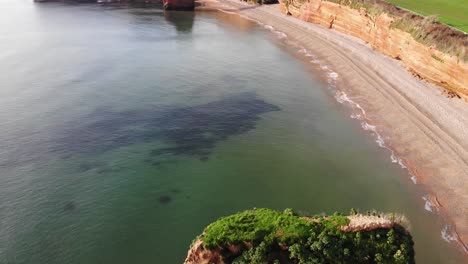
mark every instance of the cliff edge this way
{"type": "Point", "coordinates": [428, 49]}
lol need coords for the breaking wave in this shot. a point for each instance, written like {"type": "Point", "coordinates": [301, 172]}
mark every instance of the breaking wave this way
{"type": "Point", "coordinates": [428, 205]}
{"type": "Point", "coordinates": [448, 235]}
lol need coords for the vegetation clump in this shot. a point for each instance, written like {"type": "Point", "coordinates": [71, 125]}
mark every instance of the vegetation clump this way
{"type": "Point", "coordinates": [268, 236]}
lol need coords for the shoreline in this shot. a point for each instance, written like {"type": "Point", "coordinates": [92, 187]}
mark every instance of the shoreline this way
{"type": "Point", "coordinates": [426, 133]}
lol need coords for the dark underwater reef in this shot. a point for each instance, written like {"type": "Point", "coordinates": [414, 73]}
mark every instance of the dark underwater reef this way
{"type": "Point", "coordinates": [190, 131]}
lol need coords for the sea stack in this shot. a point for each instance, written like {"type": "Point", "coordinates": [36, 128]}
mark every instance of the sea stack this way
{"type": "Point", "coordinates": [179, 4]}
{"type": "Point", "coordinates": [267, 236]}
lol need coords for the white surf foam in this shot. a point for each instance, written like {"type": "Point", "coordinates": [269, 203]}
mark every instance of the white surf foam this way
{"type": "Point", "coordinates": [333, 75]}
{"type": "Point", "coordinates": [428, 204]}
{"type": "Point", "coordinates": [303, 51]}
{"type": "Point", "coordinates": [447, 234]}
{"type": "Point", "coordinates": [342, 98]}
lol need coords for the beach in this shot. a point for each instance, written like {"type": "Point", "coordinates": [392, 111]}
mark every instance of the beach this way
{"type": "Point", "coordinates": [424, 131]}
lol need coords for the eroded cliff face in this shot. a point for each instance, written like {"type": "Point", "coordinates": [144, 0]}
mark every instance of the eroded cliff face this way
{"type": "Point", "coordinates": [199, 255]}
{"type": "Point", "coordinates": [423, 61]}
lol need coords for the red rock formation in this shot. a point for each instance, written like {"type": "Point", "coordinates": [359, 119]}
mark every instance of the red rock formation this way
{"type": "Point", "coordinates": [423, 61]}
{"type": "Point", "coordinates": [199, 255]}
{"type": "Point", "coordinates": [179, 4]}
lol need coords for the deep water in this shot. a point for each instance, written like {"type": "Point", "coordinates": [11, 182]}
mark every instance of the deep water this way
{"type": "Point", "coordinates": [125, 130]}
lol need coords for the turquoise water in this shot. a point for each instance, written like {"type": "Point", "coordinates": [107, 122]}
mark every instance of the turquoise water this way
{"type": "Point", "coordinates": [125, 130]}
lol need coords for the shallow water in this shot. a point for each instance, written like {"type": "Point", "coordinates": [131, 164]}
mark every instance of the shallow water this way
{"type": "Point", "coordinates": [125, 130]}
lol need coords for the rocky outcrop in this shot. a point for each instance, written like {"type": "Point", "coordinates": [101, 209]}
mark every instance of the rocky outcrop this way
{"type": "Point", "coordinates": [199, 255]}
{"type": "Point", "coordinates": [376, 28]}
{"type": "Point", "coordinates": [359, 223]}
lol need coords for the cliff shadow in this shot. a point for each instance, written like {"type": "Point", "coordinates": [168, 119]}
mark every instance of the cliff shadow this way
{"type": "Point", "coordinates": [182, 20]}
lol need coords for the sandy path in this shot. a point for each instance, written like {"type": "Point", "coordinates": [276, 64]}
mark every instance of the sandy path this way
{"type": "Point", "coordinates": [428, 131]}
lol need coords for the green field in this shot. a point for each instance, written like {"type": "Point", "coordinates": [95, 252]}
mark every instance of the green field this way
{"type": "Point", "coordinates": [450, 12]}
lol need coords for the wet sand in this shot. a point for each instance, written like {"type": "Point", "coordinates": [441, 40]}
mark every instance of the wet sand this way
{"type": "Point", "coordinates": [426, 132]}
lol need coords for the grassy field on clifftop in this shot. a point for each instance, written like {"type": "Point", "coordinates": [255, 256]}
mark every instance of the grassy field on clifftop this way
{"type": "Point", "coordinates": [451, 12]}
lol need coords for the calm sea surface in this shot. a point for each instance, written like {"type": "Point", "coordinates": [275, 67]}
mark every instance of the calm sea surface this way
{"type": "Point", "coordinates": [125, 130]}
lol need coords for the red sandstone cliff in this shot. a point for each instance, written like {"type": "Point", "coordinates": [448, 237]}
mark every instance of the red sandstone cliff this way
{"type": "Point", "coordinates": [426, 62]}
{"type": "Point", "coordinates": [199, 255]}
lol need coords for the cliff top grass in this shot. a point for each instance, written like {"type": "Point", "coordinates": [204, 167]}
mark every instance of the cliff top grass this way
{"type": "Point", "coordinates": [451, 12]}
{"type": "Point", "coordinates": [268, 236]}
{"type": "Point", "coordinates": [424, 29]}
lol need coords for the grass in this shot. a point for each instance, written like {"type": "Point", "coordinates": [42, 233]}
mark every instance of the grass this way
{"type": "Point", "coordinates": [254, 226]}
{"type": "Point", "coordinates": [451, 12]}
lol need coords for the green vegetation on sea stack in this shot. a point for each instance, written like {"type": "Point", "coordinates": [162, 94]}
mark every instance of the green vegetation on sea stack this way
{"type": "Point", "coordinates": [268, 236]}
{"type": "Point", "coordinates": [451, 12]}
